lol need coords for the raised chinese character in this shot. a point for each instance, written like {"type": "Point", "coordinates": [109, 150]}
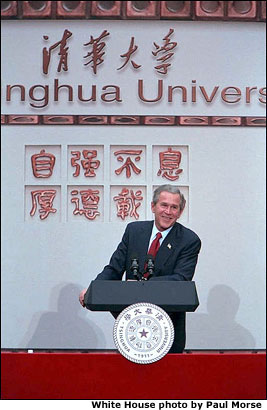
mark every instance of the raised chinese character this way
{"type": "Point", "coordinates": [137, 312]}
{"type": "Point", "coordinates": [126, 203]}
{"type": "Point", "coordinates": [128, 165]}
{"type": "Point", "coordinates": [43, 164]}
{"type": "Point", "coordinates": [164, 52]}
{"type": "Point", "coordinates": [76, 156]}
{"type": "Point", "coordinates": [63, 53]}
{"type": "Point", "coordinates": [96, 54]}
{"type": "Point", "coordinates": [132, 49]}
{"type": "Point", "coordinates": [45, 198]}
{"type": "Point", "coordinates": [88, 164]}
{"type": "Point", "coordinates": [90, 200]}
{"type": "Point", "coordinates": [170, 162]}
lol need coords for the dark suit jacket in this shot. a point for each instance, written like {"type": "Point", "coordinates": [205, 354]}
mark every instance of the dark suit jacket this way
{"type": "Point", "coordinates": [175, 260]}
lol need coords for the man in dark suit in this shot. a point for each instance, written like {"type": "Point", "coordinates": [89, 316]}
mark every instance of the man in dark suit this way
{"type": "Point", "coordinates": [176, 258]}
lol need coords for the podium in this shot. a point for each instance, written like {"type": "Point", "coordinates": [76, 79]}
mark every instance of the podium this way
{"type": "Point", "coordinates": [114, 296]}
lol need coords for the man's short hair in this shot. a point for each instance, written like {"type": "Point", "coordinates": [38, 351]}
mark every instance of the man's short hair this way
{"type": "Point", "coordinates": [172, 190]}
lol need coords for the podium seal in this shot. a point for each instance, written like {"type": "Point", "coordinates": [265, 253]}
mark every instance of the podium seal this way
{"type": "Point", "coordinates": [143, 333]}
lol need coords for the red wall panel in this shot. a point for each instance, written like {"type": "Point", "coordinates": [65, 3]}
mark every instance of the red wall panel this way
{"type": "Point", "coordinates": [75, 375]}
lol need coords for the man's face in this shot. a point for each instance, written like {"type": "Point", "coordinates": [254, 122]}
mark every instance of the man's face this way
{"type": "Point", "coordinates": [166, 210]}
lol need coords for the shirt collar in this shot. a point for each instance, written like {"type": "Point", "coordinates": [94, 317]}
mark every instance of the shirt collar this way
{"type": "Point", "coordinates": [163, 233]}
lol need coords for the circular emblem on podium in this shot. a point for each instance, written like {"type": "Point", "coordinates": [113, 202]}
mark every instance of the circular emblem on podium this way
{"type": "Point", "coordinates": [143, 333]}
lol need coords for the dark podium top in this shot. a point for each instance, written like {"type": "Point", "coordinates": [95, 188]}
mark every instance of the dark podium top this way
{"type": "Point", "coordinates": [113, 295]}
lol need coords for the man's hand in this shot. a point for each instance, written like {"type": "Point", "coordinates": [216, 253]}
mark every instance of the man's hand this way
{"type": "Point", "coordinates": [81, 297]}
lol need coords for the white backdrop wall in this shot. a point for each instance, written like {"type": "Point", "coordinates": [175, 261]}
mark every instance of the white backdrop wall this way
{"type": "Point", "coordinates": [46, 263]}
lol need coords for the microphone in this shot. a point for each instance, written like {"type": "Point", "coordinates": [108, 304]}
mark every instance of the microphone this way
{"type": "Point", "coordinates": [150, 266]}
{"type": "Point", "coordinates": [135, 267]}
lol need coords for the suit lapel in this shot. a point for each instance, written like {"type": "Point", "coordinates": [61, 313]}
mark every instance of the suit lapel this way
{"type": "Point", "coordinates": [143, 243]}
{"type": "Point", "coordinates": [167, 247]}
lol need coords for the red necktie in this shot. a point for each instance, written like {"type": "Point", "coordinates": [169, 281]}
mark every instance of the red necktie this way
{"type": "Point", "coordinates": [154, 247]}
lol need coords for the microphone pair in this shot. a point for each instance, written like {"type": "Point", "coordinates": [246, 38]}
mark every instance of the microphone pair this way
{"type": "Point", "coordinates": [148, 270]}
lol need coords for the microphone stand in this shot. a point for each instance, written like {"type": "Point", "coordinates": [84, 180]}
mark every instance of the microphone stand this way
{"type": "Point", "coordinates": [149, 268]}
{"type": "Point", "coordinates": [135, 269]}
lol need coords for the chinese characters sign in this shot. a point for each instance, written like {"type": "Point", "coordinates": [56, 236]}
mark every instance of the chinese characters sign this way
{"type": "Point", "coordinates": [97, 45]}
{"type": "Point", "coordinates": [85, 168]}
{"type": "Point", "coordinates": [125, 68]}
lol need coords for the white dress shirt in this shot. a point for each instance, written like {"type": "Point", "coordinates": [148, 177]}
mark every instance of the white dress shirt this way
{"type": "Point", "coordinates": [154, 234]}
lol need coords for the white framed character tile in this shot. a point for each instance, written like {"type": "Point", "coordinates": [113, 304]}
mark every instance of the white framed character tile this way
{"type": "Point", "coordinates": [42, 164]}
{"type": "Point", "coordinates": [85, 203]}
{"type": "Point", "coordinates": [42, 203]}
{"type": "Point", "coordinates": [128, 164]}
{"type": "Point", "coordinates": [128, 203]}
{"type": "Point", "coordinates": [170, 164]}
{"type": "Point", "coordinates": [86, 164]}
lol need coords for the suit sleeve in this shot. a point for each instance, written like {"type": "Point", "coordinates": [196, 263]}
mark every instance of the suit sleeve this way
{"type": "Point", "coordinates": [117, 264]}
{"type": "Point", "coordinates": [185, 263]}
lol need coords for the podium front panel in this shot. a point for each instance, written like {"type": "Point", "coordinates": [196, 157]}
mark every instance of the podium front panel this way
{"type": "Point", "coordinates": [172, 296]}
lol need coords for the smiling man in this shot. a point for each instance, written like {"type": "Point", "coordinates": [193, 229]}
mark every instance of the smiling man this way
{"type": "Point", "coordinates": [174, 248]}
